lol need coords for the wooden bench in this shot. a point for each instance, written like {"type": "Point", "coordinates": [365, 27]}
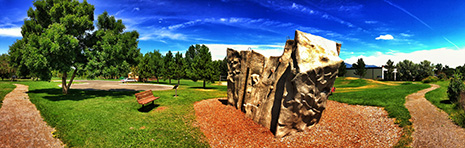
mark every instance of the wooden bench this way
{"type": "Point", "coordinates": [145, 97]}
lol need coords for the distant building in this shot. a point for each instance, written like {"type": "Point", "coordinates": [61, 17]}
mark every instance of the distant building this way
{"type": "Point", "coordinates": [372, 73]}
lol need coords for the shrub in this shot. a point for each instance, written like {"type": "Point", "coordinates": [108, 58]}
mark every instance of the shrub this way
{"type": "Point", "coordinates": [455, 87]}
{"type": "Point", "coordinates": [442, 76]}
{"type": "Point", "coordinates": [430, 79]}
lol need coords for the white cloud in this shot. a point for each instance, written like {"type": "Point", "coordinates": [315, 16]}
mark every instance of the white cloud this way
{"type": "Point", "coordinates": [406, 35]}
{"type": "Point", "coordinates": [11, 32]}
{"type": "Point", "coordinates": [445, 56]}
{"type": "Point", "coordinates": [218, 51]}
{"type": "Point", "coordinates": [371, 22]}
{"type": "Point", "coordinates": [385, 37]}
{"type": "Point", "coordinates": [136, 9]}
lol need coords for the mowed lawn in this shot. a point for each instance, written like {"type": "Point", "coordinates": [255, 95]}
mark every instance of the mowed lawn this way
{"type": "Point", "coordinates": [5, 88]}
{"type": "Point", "coordinates": [115, 119]}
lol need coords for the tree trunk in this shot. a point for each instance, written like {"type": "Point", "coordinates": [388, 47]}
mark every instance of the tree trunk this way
{"type": "Point", "coordinates": [169, 79]}
{"type": "Point", "coordinates": [158, 81]}
{"type": "Point", "coordinates": [203, 84]}
{"type": "Point", "coordinates": [178, 81]}
{"type": "Point", "coordinates": [71, 80]}
{"type": "Point", "coordinates": [64, 88]}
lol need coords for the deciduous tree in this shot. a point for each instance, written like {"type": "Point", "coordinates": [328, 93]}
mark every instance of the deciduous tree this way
{"type": "Point", "coordinates": [53, 38]}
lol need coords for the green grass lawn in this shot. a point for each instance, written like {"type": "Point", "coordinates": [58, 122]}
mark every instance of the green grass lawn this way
{"type": "Point", "coordinates": [439, 98]}
{"type": "Point", "coordinates": [5, 88]}
{"type": "Point", "coordinates": [392, 98]}
{"type": "Point", "coordinates": [344, 83]}
{"type": "Point", "coordinates": [115, 119]}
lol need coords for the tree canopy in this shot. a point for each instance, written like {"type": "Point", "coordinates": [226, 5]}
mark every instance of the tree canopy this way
{"type": "Point", "coordinates": [342, 70]}
{"type": "Point", "coordinates": [201, 66]}
{"type": "Point", "coordinates": [390, 70]}
{"type": "Point", "coordinates": [57, 36]}
{"type": "Point", "coordinates": [359, 68]}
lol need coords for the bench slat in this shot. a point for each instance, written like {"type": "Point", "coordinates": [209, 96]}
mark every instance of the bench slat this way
{"type": "Point", "coordinates": [145, 97]}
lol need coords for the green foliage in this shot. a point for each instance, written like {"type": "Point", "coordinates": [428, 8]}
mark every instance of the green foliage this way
{"type": "Point", "coordinates": [438, 68]}
{"type": "Point", "coordinates": [342, 70]}
{"type": "Point", "coordinates": [359, 68]}
{"type": "Point", "coordinates": [201, 65]}
{"type": "Point", "coordinates": [169, 66]}
{"type": "Point", "coordinates": [113, 51]}
{"type": "Point", "coordinates": [115, 119]}
{"type": "Point", "coordinates": [439, 97]}
{"type": "Point", "coordinates": [425, 69]}
{"type": "Point", "coordinates": [430, 79]}
{"type": "Point", "coordinates": [6, 71]}
{"type": "Point", "coordinates": [455, 87]}
{"type": "Point", "coordinates": [53, 38]}
{"type": "Point", "coordinates": [407, 70]}
{"type": "Point", "coordinates": [179, 68]}
{"type": "Point", "coordinates": [448, 71]}
{"type": "Point", "coordinates": [390, 70]}
{"type": "Point", "coordinates": [442, 76]}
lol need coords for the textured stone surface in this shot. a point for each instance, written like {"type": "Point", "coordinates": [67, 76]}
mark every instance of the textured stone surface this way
{"type": "Point", "coordinates": [287, 93]}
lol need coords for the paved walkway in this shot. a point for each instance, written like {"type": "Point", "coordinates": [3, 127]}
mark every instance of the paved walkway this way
{"type": "Point", "coordinates": [21, 124]}
{"type": "Point", "coordinates": [433, 128]}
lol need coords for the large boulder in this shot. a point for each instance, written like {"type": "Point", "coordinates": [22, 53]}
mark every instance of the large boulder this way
{"type": "Point", "coordinates": [287, 93]}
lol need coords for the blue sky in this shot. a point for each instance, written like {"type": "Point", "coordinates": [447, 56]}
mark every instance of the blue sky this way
{"type": "Point", "coordinates": [375, 30]}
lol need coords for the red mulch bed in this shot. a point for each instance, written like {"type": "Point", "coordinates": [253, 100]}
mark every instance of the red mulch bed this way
{"type": "Point", "coordinates": [341, 125]}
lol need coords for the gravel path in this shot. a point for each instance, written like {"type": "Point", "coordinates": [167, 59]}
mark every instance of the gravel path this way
{"type": "Point", "coordinates": [341, 125]}
{"type": "Point", "coordinates": [21, 124]}
{"type": "Point", "coordinates": [433, 128]}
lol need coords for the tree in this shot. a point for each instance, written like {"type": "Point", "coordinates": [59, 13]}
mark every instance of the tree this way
{"type": "Point", "coordinates": [16, 58]}
{"type": "Point", "coordinates": [224, 67]}
{"type": "Point", "coordinates": [407, 70]}
{"type": "Point", "coordinates": [145, 69]}
{"type": "Point", "coordinates": [448, 71]}
{"type": "Point", "coordinates": [191, 53]}
{"type": "Point", "coordinates": [168, 66]}
{"type": "Point", "coordinates": [54, 36]}
{"type": "Point", "coordinates": [201, 65]}
{"type": "Point", "coordinates": [157, 64]}
{"type": "Point", "coordinates": [342, 70]}
{"type": "Point", "coordinates": [438, 68]}
{"type": "Point", "coordinates": [390, 70]}
{"type": "Point", "coordinates": [179, 68]}
{"type": "Point", "coordinates": [113, 51]}
{"type": "Point", "coordinates": [359, 68]}
{"type": "Point", "coordinates": [455, 87]}
{"type": "Point", "coordinates": [425, 69]}
{"type": "Point", "coordinates": [6, 70]}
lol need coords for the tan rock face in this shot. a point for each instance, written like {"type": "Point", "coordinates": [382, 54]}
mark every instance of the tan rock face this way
{"type": "Point", "coordinates": [286, 93]}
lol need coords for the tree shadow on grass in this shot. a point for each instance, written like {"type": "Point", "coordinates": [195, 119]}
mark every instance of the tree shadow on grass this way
{"type": "Point", "coordinates": [445, 102]}
{"type": "Point", "coordinates": [55, 94]}
{"type": "Point", "coordinates": [204, 88]}
{"type": "Point", "coordinates": [147, 108]}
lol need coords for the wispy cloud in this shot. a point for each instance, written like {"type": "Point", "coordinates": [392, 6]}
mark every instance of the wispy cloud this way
{"type": "Point", "coordinates": [289, 6]}
{"type": "Point", "coordinates": [385, 37]}
{"type": "Point", "coordinates": [219, 50]}
{"type": "Point", "coordinates": [419, 20]}
{"type": "Point", "coordinates": [371, 22]}
{"type": "Point", "coordinates": [11, 32]}
{"type": "Point", "coordinates": [434, 56]}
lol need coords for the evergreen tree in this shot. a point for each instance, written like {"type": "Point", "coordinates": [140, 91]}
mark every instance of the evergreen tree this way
{"type": "Point", "coordinates": [342, 70]}
{"type": "Point", "coordinates": [201, 65]}
{"type": "Point", "coordinates": [169, 66]}
{"type": "Point", "coordinates": [359, 68]}
{"type": "Point", "coordinates": [390, 70]}
{"type": "Point", "coordinates": [179, 68]}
